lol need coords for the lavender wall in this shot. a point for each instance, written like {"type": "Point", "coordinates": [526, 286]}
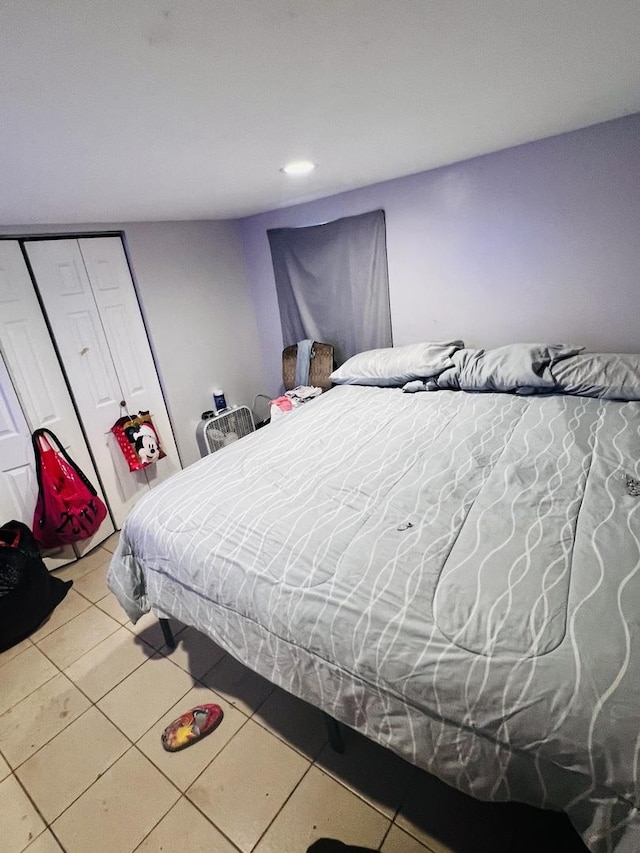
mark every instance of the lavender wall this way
{"type": "Point", "coordinates": [537, 242]}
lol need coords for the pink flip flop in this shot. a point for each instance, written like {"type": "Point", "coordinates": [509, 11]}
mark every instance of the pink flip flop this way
{"type": "Point", "coordinates": [192, 726]}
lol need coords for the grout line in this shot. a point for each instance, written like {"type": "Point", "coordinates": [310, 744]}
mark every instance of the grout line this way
{"type": "Point", "coordinates": [93, 703]}
{"type": "Point", "coordinates": [31, 692]}
{"type": "Point", "coordinates": [291, 793]}
{"type": "Point", "coordinates": [124, 677]}
{"type": "Point", "coordinates": [333, 774]}
{"type": "Point", "coordinates": [64, 728]}
{"type": "Point", "coordinates": [85, 596]}
{"type": "Point", "coordinates": [97, 779]}
{"type": "Point", "coordinates": [279, 735]}
{"type": "Point", "coordinates": [155, 722]}
{"type": "Point", "coordinates": [65, 625]}
{"type": "Point", "coordinates": [102, 773]}
{"type": "Point", "coordinates": [69, 567]}
{"type": "Point", "coordinates": [247, 720]}
{"type": "Point", "coordinates": [206, 817]}
{"type": "Point", "coordinates": [35, 806]}
{"type": "Point", "coordinates": [158, 822]}
{"type": "Point", "coordinates": [184, 793]}
{"type": "Point", "coordinates": [385, 836]}
{"type": "Point", "coordinates": [62, 624]}
{"type": "Point", "coordinates": [13, 657]}
{"type": "Point", "coordinates": [282, 738]}
{"type": "Point", "coordinates": [130, 628]}
{"type": "Point", "coordinates": [42, 746]}
{"type": "Point", "coordinates": [62, 847]}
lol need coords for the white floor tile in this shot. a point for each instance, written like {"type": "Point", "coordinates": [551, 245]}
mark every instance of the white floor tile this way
{"type": "Point", "coordinates": [63, 769]}
{"type": "Point", "coordinates": [23, 674]}
{"type": "Point", "coordinates": [107, 664]}
{"type": "Point", "coordinates": [374, 773]}
{"type": "Point", "coordinates": [185, 830]}
{"type": "Point", "coordinates": [111, 606]}
{"type": "Point", "coordinates": [297, 723]}
{"type": "Point", "coordinates": [398, 841]}
{"type": "Point", "coordinates": [240, 686]}
{"type": "Point", "coordinates": [322, 808]}
{"type": "Point", "coordinates": [93, 585]}
{"type": "Point", "coordinates": [243, 789]}
{"type": "Point", "coordinates": [8, 654]}
{"type": "Point", "coordinates": [70, 607]}
{"type": "Point", "coordinates": [71, 641]}
{"type": "Point", "coordinates": [145, 696]}
{"type": "Point", "coordinates": [21, 823]}
{"type": "Point", "coordinates": [44, 843]}
{"type": "Point", "coordinates": [119, 810]}
{"type": "Point", "coordinates": [30, 724]}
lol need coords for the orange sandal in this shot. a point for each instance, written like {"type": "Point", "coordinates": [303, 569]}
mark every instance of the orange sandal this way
{"type": "Point", "coordinates": [192, 726]}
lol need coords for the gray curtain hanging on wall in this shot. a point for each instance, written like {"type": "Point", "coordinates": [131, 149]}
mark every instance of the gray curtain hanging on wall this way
{"type": "Point", "coordinates": [332, 283]}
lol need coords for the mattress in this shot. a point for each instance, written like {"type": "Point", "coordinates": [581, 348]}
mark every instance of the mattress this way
{"type": "Point", "coordinates": [455, 575]}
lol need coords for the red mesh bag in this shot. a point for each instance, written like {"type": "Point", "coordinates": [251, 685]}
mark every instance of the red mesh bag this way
{"type": "Point", "coordinates": [68, 508]}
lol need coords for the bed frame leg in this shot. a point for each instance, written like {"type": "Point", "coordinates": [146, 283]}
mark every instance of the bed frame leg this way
{"type": "Point", "coordinates": [334, 731]}
{"type": "Point", "coordinates": [167, 633]}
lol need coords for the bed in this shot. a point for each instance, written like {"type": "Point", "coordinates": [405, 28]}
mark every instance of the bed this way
{"type": "Point", "coordinates": [454, 574]}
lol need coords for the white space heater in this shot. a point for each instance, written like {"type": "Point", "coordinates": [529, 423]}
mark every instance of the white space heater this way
{"type": "Point", "coordinates": [220, 430]}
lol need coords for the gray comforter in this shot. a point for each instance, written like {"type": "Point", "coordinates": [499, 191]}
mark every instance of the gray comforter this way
{"type": "Point", "coordinates": [455, 575]}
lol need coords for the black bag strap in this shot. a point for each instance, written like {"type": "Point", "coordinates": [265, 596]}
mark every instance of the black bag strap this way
{"type": "Point", "coordinates": [55, 444]}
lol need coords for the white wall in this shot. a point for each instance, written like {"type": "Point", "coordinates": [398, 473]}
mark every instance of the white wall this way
{"type": "Point", "coordinates": [193, 291]}
{"type": "Point", "coordinates": [193, 288]}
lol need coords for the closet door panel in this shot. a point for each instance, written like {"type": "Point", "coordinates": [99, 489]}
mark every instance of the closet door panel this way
{"type": "Point", "coordinates": [33, 365]}
{"type": "Point", "coordinates": [27, 345]}
{"type": "Point", "coordinates": [18, 488]}
{"type": "Point", "coordinates": [77, 328]}
{"type": "Point", "coordinates": [114, 293]}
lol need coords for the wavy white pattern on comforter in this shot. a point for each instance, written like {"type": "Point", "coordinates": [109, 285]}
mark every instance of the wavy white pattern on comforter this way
{"type": "Point", "coordinates": [456, 575]}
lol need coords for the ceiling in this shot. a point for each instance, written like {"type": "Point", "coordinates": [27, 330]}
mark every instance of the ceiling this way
{"type": "Point", "coordinates": [130, 110]}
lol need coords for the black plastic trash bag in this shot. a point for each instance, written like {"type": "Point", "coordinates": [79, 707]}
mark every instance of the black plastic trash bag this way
{"type": "Point", "coordinates": [28, 593]}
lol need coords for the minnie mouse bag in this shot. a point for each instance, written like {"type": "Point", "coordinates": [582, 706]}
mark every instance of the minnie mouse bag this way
{"type": "Point", "coordinates": [68, 508]}
{"type": "Point", "coordinates": [138, 440]}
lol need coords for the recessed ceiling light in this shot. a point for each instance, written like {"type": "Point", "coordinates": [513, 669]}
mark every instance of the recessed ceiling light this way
{"type": "Point", "coordinates": [298, 167]}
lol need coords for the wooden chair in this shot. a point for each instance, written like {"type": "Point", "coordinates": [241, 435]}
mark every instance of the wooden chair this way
{"type": "Point", "coordinates": [320, 366]}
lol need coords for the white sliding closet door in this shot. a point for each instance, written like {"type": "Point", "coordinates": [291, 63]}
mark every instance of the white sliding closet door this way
{"type": "Point", "coordinates": [18, 488]}
{"type": "Point", "coordinates": [37, 397]}
{"type": "Point", "coordinates": [113, 290]}
{"type": "Point", "coordinates": [97, 331]}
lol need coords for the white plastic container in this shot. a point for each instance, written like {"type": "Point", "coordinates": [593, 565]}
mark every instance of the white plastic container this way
{"type": "Point", "coordinates": [219, 400]}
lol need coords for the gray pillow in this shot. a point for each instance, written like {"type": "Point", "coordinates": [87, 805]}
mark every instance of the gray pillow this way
{"type": "Point", "coordinates": [613, 376]}
{"type": "Point", "coordinates": [515, 367]}
{"type": "Point", "coordinates": [396, 365]}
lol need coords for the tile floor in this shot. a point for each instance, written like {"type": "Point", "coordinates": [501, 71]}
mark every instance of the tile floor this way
{"type": "Point", "coordinates": [83, 702]}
